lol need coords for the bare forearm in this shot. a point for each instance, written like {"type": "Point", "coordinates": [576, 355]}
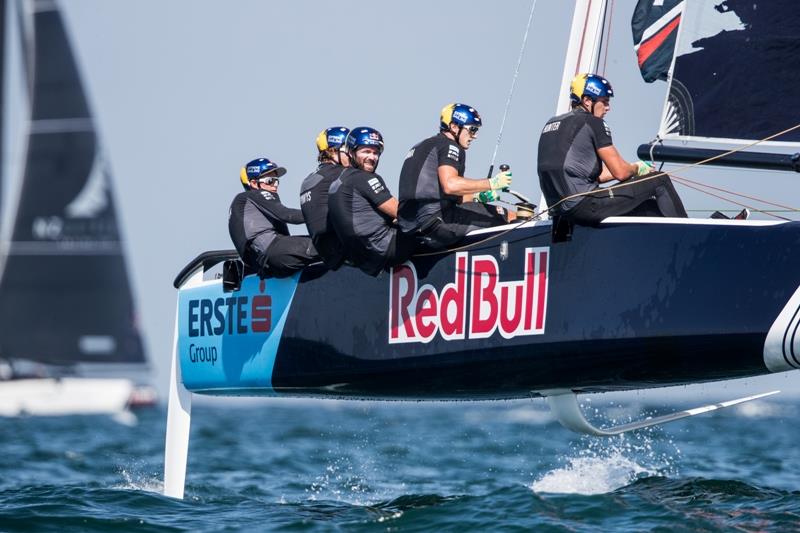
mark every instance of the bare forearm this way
{"type": "Point", "coordinates": [458, 186]}
{"type": "Point", "coordinates": [389, 207]}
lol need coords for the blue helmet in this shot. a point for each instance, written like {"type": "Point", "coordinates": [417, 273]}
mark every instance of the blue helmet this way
{"type": "Point", "coordinates": [364, 136]}
{"type": "Point", "coordinates": [331, 138]}
{"type": "Point", "coordinates": [257, 168]}
{"type": "Point", "coordinates": [591, 85]}
{"type": "Point", "coordinates": [460, 114]}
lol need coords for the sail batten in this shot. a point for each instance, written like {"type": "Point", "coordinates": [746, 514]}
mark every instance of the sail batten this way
{"type": "Point", "coordinates": [61, 125]}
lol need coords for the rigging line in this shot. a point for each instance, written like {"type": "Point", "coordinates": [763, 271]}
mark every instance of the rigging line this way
{"type": "Point", "coordinates": [513, 85]}
{"type": "Point", "coordinates": [583, 37]}
{"type": "Point", "coordinates": [656, 175]}
{"type": "Point", "coordinates": [734, 193]}
{"type": "Point", "coordinates": [711, 209]}
{"type": "Point", "coordinates": [751, 208]}
{"type": "Point", "coordinates": [607, 43]}
{"type": "Point", "coordinates": [761, 171]}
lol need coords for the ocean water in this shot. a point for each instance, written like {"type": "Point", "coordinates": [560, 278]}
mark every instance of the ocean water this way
{"type": "Point", "coordinates": [371, 466]}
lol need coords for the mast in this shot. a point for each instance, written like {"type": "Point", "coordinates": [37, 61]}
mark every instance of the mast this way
{"type": "Point", "coordinates": [586, 44]}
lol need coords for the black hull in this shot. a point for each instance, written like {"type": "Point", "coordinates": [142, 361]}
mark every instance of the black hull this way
{"type": "Point", "coordinates": [629, 305]}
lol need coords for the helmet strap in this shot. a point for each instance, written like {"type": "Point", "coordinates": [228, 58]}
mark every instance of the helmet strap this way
{"type": "Point", "coordinates": [457, 135]}
{"type": "Point", "coordinates": [353, 161]}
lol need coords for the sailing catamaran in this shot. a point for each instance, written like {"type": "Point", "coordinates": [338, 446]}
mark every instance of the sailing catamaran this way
{"type": "Point", "coordinates": [525, 309]}
{"type": "Point", "coordinates": [67, 318]}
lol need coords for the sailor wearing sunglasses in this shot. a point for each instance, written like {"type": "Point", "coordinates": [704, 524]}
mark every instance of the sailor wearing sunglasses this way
{"type": "Point", "coordinates": [436, 200]}
{"type": "Point", "coordinates": [257, 222]}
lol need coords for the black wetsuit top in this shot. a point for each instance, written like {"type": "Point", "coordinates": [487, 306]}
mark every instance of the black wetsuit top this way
{"type": "Point", "coordinates": [421, 196]}
{"type": "Point", "coordinates": [314, 204]}
{"type": "Point", "coordinates": [256, 218]}
{"type": "Point", "coordinates": [568, 163]}
{"type": "Point", "coordinates": [366, 232]}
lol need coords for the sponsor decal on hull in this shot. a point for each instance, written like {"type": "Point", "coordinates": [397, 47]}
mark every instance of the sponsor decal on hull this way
{"type": "Point", "coordinates": [228, 340]}
{"type": "Point", "coordinates": [477, 304]}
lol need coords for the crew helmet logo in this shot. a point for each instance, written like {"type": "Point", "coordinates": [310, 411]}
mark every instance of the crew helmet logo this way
{"type": "Point", "coordinates": [591, 85]}
{"type": "Point", "coordinates": [258, 167]}
{"type": "Point", "coordinates": [333, 137]}
{"type": "Point", "coordinates": [364, 136]}
{"type": "Point", "coordinates": [460, 114]}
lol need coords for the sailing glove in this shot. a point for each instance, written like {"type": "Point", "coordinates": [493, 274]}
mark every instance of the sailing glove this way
{"type": "Point", "coordinates": [643, 168]}
{"type": "Point", "coordinates": [500, 181]}
{"type": "Point", "coordinates": [486, 196]}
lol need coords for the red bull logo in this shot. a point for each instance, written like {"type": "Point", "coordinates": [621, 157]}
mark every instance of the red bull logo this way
{"type": "Point", "coordinates": [511, 308]}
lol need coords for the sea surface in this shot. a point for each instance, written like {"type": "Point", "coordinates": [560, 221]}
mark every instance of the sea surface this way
{"type": "Point", "coordinates": [301, 465]}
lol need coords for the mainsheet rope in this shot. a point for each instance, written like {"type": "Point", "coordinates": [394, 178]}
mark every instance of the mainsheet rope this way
{"type": "Point", "coordinates": [626, 183]}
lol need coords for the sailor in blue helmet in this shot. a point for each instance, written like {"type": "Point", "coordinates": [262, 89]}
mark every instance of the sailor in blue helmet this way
{"type": "Point", "coordinates": [436, 200]}
{"type": "Point", "coordinates": [314, 194]}
{"type": "Point", "coordinates": [257, 222]}
{"type": "Point", "coordinates": [576, 155]}
{"type": "Point", "coordinates": [363, 211]}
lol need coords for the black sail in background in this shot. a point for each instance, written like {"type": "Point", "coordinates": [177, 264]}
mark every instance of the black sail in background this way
{"type": "Point", "coordinates": [3, 115]}
{"type": "Point", "coordinates": [737, 70]}
{"type": "Point", "coordinates": [64, 292]}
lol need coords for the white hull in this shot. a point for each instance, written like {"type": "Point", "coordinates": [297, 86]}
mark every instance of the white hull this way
{"type": "Point", "coordinates": [67, 396]}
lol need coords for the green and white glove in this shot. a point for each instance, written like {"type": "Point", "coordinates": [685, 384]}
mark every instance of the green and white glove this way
{"type": "Point", "coordinates": [501, 181]}
{"type": "Point", "coordinates": [643, 168]}
{"type": "Point", "coordinates": [486, 196]}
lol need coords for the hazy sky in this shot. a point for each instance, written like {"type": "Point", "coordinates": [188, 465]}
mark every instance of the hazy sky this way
{"type": "Point", "coordinates": [186, 91]}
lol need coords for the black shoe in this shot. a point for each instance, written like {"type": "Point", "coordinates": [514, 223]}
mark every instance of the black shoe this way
{"type": "Point", "coordinates": [744, 214]}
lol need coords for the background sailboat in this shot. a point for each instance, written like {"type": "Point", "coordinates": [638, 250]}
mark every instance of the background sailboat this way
{"type": "Point", "coordinates": [66, 305]}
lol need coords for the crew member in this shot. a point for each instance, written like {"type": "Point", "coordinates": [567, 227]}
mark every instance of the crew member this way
{"type": "Point", "coordinates": [576, 155]}
{"type": "Point", "coordinates": [257, 222]}
{"type": "Point", "coordinates": [433, 186]}
{"type": "Point", "coordinates": [314, 195]}
{"type": "Point", "coordinates": [363, 210]}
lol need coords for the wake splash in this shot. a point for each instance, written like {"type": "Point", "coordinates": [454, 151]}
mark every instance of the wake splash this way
{"type": "Point", "coordinates": [134, 479]}
{"type": "Point", "coordinates": [592, 475]}
{"type": "Point", "coordinates": [600, 466]}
